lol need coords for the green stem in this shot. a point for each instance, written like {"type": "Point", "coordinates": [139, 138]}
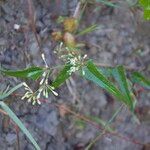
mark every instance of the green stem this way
{"type": "Point", "coordinates": [105, 127]}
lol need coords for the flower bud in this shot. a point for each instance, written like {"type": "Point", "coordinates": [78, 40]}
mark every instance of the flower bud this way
{"type": "Point", "coordinates": [57, 35]}
{"type": "Point", "coordinates": [69, 40]}
{"type": "Point", "coordinates": [70, 24]}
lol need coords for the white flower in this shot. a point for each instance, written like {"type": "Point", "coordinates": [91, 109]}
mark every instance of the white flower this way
{"type": "Point", "coordinates": [38, 101]}
{"type": "Point", "coordinates": [41, 82]}
{"type": "Point", "coordinates": [55, 93]}
{"type": "Point", "coordinates": [30, 95]}
{"type": "Point", "coordinates": [43, 57]}
{"type": "Point", "coordinates": [39, 95]}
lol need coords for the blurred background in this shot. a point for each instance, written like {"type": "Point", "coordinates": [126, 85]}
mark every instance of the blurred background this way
{"type": "Point", "coordinates": [122, 37]}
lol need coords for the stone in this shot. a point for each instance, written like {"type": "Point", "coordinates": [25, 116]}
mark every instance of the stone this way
{"type": "Point", "coordinates": [11, 138]}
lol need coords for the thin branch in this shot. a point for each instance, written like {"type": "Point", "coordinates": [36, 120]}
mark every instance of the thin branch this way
{"type": "Point", "coordinates": [3, 112]}
{"type": "Point", "coordinates": [77, 10]}
{"type": "Point", "coordinates": [32, 22]}
{"type": "Point", "coordinates": [94, 124]}
{"type": "Point", "coordinates": [105, 128]}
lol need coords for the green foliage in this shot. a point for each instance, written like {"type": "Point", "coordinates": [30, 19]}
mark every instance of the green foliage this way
{"type": "Point", "coordinates": [145, 4]}
{"type": "Point", "coordinates": [87, 30]}
{"type": "Point", "coordinates": [101, 122]}
{"type": "Point", "coordinates": [32, 72]}
{"type": "Point", "coordinates": [121, 89]}
{"type": "Point", "coordinates": [80, 124]}
{"type": "Point", "coordinates": [140, 79]}
{"type": "Point", "coordinates": [62, 76]}
{"type": "Point", "coordinates": [7, 93]}
{"type": "Point", "coordinates": [120, 76]}
{"type": "Point", "coordinates": [19, 123]}
{"type": "Point", "coordinates": [14, 117]}
{"type": "Point", "coordinates": [107, 3]}
{"type": "Point", "coordinates": [94, 74]}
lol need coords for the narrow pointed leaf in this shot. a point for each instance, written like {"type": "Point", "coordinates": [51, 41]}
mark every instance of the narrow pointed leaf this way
{"type": "Point", "coordinates": [108, 3]}
{"type": "Point", "coordinates": [140, 79]}
{"type": "Point", "coordinates": [145, 4]}
{"type": "Point", "coordinates": [93, 73]}
{"type": "Point", "coordinates": [32, 72]}
{"type": "Point", "coordinates": [87, 30]}
{"type": "Point", "coordinates": [20, 124]}
{"type": "Point", "coordinates": [62, 76]}
{"type": "Point", "coordinates": [120, 76]}
{"type": "Point", "coordinates": [107, 72]}
{"type": "Point", "coordinates": [101, 122]}
{"type": "Point", "coordinates": [4, 95]}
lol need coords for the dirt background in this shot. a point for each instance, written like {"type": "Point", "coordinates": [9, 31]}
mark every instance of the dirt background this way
{"type": "Point", "coordinates": [122, 38]}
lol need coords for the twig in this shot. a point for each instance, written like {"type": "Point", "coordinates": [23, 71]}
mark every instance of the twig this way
{"type": "Point", "coordinates": [97, 126]}
{"type": "Point", "coordinates": [16, 129]}
{"type": "Point", "coordinates": [3, 112]}
{"type": "Point", "coordinates": [32, 19]}
{"type": "Point", "coordinates": [72, 88]}
{"type": "Point", "coordinates": [18, 139]}
{"type": "Point", "coordinates": [105, 128]}
{"type": "Point", "coordinates": [77, 10]}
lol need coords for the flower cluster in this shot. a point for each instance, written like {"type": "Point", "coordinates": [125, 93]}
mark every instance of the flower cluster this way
{"type": "Point", "coordinates": [70, 56]}
{"type": "Point", "coordinates": [30, 95]}
{"type": "Point", "coordinates": [43, 90]}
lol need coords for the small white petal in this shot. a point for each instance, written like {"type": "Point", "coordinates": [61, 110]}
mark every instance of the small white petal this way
{"type": "Point", "coordinates": [40, 90]}
{"type": "Point", "coordinates": [39, 102]}
{"type": "Point", "coordinates": [46, 94]}
{"type": "Point", "coordinates": [29, 100]}
{"type": "Point", "coordinates": [41, 82]}
{"type": "Point", "coordinates": [25, 95]}
{"type": "Point", "coordinates": [22, 98]}
{"type": "Point", "coordinates": [44, 74]}
{"type": "Point", "coordinates": [52, 87]}
{"type": "Point", "coordinates": [43, 56]}
{"type": "Point", "coordinates": [46, 81]}
{"type": "Point", "coordinates": [84, 56]}
{"type": "Point", "coordinates": [83, 72]}
{"type": "Point", "coordinates": [38, 96]}
{"type": "Point", "coordinates": [55, 93]}
{"type": "Point", "coordinates": [33, 103]}
{"type": "Point", "coordinates": [25, 84]}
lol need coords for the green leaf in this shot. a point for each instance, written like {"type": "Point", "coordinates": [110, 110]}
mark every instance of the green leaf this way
{"type": "Point", "coordinates": [120, 76]}
{"type": "Point", "coordinates": [101, 122]}
{"type": "Point", "coordinates": [32, 72]}
{"type": "Point", "coordinates": [147, 13]}
{"type": "Point", "coordinates": [107, 72]}
{"type": "Point", "coordinates": [4, 95]}
{"type": "Point", "coordinates": [144, 3]}
{"type": "Point", "coordinates": [108, 3]}
{"type": "Point", "coordinates": [87, 30]}
{"type": "Point", "coordinates": [80, 124]}
{"type": "Point", "coordinates": [137, 77]}
{"type": "Point", "coordinates": [93, 73]}
{"type": "Point", "coordinates": [146, 6]}
{"type": "Point", "coordinates": [62, 76]}
{"type": "Point", "coordinates": [19, 123]}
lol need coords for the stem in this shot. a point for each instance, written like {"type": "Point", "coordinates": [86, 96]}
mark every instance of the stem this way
{"type": "Point", "coordinates": [105, 128]}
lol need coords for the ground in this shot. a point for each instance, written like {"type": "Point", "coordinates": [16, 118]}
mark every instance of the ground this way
{"type": "Point", "coordinates": [122, 37]}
